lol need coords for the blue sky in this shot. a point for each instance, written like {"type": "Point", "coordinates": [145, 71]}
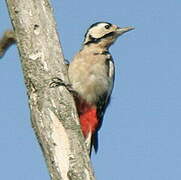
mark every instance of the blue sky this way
{"type": "Point", "coordinates": [140, 137]}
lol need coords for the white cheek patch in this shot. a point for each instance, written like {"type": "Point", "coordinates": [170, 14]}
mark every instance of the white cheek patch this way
{"type": "Point", "coordinates": [98, 31]}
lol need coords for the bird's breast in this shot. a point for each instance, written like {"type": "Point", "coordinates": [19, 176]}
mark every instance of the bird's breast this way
{"type": "Point", "coordinates": [90, 78]}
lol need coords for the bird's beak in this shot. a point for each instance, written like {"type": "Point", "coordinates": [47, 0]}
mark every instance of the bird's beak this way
{"type": "Point", "coordinates": [120, 31]}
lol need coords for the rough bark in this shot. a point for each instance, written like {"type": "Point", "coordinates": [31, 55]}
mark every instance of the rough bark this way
{"type": "Point", "coordinates": [53, 112]}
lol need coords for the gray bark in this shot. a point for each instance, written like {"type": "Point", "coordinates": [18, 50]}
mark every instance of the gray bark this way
{"type": "Point", "coordinates": [53, 113]}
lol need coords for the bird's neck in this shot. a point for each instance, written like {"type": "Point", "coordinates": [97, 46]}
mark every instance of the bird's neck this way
{"type": "Point", "coordinates": [96, 48]}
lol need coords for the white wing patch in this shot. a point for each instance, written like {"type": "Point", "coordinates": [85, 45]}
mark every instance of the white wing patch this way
{"type": "Point", "coordinates": [111, 76]}
{"type": "Point", "coordinates": [111, 69]}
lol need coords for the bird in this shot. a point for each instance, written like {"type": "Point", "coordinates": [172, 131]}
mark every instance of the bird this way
{"type": "Point", "coordinates": [91, 74]}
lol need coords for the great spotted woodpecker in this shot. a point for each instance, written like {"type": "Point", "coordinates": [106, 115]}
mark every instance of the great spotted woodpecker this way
{"type": "Point", "coordinates": [91, 74]}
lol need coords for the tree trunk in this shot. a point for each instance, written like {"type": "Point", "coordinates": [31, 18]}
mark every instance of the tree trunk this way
{"type": "Point", "coordinates": [53, 113]}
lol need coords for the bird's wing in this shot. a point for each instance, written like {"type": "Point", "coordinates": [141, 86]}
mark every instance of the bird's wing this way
{"type": "Point", "coordinates": [104, 101]}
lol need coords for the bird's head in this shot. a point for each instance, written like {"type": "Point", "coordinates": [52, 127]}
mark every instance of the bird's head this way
{"type": "Point", "coordinates": [104, 34]}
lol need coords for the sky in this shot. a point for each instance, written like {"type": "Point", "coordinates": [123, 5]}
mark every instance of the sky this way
{"type": "Point", "coordinates": [141, 135]}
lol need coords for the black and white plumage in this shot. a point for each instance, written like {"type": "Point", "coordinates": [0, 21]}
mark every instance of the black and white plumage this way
{"type": "Point", "coordinates": [91, 74]}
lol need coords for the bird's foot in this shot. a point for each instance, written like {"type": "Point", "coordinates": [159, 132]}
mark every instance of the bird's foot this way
{"type": "Point", "coordinates": [59, 82]}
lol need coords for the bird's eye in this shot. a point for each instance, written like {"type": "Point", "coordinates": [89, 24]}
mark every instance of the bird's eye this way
{"type": "Point", "coordinates": [107, 26]}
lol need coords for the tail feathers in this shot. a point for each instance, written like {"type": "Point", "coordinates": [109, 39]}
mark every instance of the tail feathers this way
{"type": "Point", "coordinates": [88, 142]}
{"type": "Point", "coordinates": [92, 141]}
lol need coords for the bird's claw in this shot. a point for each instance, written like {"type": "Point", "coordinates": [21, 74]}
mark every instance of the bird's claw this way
{"type": "Point", "coordinates": [59, 82]}
{"type": "Point", "coordinates": [56, 82]}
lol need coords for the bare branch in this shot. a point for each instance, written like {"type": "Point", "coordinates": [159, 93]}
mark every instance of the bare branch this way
{"type": "Point", "coordinates": [6, 41]}
{"type": "Point", "coordinates": [53, 112]}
